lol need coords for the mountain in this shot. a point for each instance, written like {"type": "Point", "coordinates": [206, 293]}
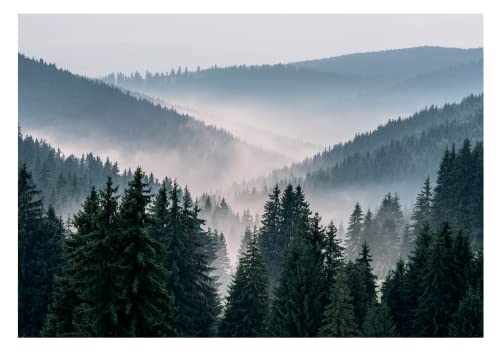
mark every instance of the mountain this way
{"type": "Point", "coordinates": [396, 157]}
{"type": "Point", "coordinates": [320, 101]}
{"type": "Point", "coordinates": [79, 114]}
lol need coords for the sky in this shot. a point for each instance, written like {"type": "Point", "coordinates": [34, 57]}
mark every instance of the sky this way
{"type": "Point", "coordinates": [95, 45]}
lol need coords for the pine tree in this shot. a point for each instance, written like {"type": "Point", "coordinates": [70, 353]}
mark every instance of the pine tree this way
{"type": "Point", "coordinates": [369, 233]}
{"type": "Point", "coordinates": [339, 319]}
{"type": "Point", "coordinates": [422, 211]}
{"type": "Point", "coordinates": [65, 313]}
{"type": "Point", "coordinates": [468, 320]}
{"type": "Point", "coordinates": [202, 301]}
{"type": "Point", "coordinates": [244, 241]}
{"type": "Point", "coordinates": [246, 311]}
{"type": "Point", "coordinates": [378, 322]}
{"type": "Point", "coordinates": [296, 309]}
{"type": "Point", "coordinates": [145, 307]}
{"type": "Point", "coordinates": [98, 271]}
{"type": "Point", "coordinates": [436, 304]}
{"type": "Point", "coordinates": [361, 284]}
{"type": "Point", "coordinates": [417, 265]}
{"type": "Point", "coordinates": [354, 230]}
{"type": "Point", "coordinates": [189, 258]}
{"type": "Point", "coordinates": [406, 242]}
{"type": "Point", "coordinates": [222, 265]}
{"type": "Point", "coordinates": [271, 238]}
{"type": "Point", "coordinates": [333, 255]}
{"type": "Point", "coordinates": [40, 254]}
{"type": "Point", "coordinates": [394, 296]}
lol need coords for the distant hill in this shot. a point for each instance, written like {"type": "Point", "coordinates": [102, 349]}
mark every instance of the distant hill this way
{"type": "Point", "coordinates": [396, 157]}
{"type": "Point", "coordinates": [80, 114]}
{"type": "Point", "coordinates": [394, 65]}
{"type": "Point", "coordinates": [325, 100]}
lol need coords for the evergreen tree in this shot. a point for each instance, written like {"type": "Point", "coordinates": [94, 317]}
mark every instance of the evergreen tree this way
{"type": "Point", "coordinates": [361, 284]}
{"type": "Point", "coordinates": [437, 302]}
{"type": "Point", "coordinates": [97, 269]}
{"type": "Point", "coordinates": [354, 230]}
{"type": "Point", "coordinates": [296, 309]}
{"type": "Point", "coordinates": [67, 313]}
{"type": "Point", "coordinates": [246, 311]}
{"type": "Point", "coordinates": [422, 211]}
{"type": "Point", "coordinates": [40, 254]}
{"type": "Point", "coordinates": [378, 322]}
{"type": "Point", "coordinates": [406, 242]}
{"type": "Point", "coordinates": [417, 265]}
{"type": "Point", "coordinates": [468, 320]}
{"type": "Point", "coordinates": [370, 232]}
{"type": "Point", "coordinates": [271, 237]}
{"type": "Point", "coordinates": [244, 241]}
{"type": "Point", "coordinates": [333, 255]}
{"type": "Point", "coordinates": [145, 307]}
{"type": "Point", "coordinates": [191, 281]}
{"type": "Point", "coordinates": [394, 296]}
{"type": "Point", "coordinates": [339, 319]}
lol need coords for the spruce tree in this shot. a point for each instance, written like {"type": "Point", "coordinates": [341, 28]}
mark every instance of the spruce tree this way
{"type": "Point", "coordinates": [203, 301]}
{"type": "Point", "coordinates": [338, 317]}
{"type": "Point", "coordinates": [271, 237]}
{"type": "Point", "coordinates": [67, 312]}
{"type": "Point", "coordinates": [244, 241]}
{"type": "Point", "coordinates": [394, 296]}
{"type": "Point", "coordinates": [354, 230]}
{"type": "Point", "coordinates": [437, 302]}
{"type": "Point", "coordinates": [297, 309]}
{"type": "Point", "coordinates": [145, 307]}
{"type": "Point", "coordinates": [468, 319]}
{"type": "Point", "coordinates": [422, 211]}
{"type": "Point", "coordinates": [333, 255]}
{"type": "Point", "coordinates": [361, 284]}
{"type": "Point", "coordinates": [378, 322]}
{"type": "Point", "coordinates": [369, 233]}
{"type": "Point", "coordinates": [246, 310]}
{"type": "Point", "coordinates": [98, 272]}
{"type": "Point", "coordinates": [40, 256]}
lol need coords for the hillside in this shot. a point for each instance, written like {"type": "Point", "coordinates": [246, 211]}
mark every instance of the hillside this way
{"type": "Point", "coordinates": [79, 114]}
{"type": "Point", "coordinates": [324, 100]}
{"type": "Point", "coordinates": [395, 157]}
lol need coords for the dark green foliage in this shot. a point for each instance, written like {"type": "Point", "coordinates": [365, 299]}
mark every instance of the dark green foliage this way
{"type": "Point", "coordinates": [458, 195]}
{"type": "Point", "coordinates": [145, 306]}
{"type": "Point", "coordinates": [338, 318]}
{"type": "Point", "coordinates": [191, 283]}
{"type": "Point", "coordinates": [468, 320]}
{"type": "Point", "coordinates": [97, 267]}
{"type": "Point", "coordinates": [297, 308]}
{"type": "Point", "coordinates": [422, 211]}
{"type": "Point", "coordinates": [271, 240]}
{"type": "Point", "coordinates": [353, 233]}
{"type": "Point", "coordinates": [407, 242]}
{"type": "Point", "coordinates": [333, 256]}
{"type": "Point", "coordinates": [438, 300]}
{"type": "Point", "coordinates": [361, 284]}
{"type": "Point", "coordinates": [394, 296]}
{"type": "Point", "coordinates": [66, 181]}
{"type": "Point", "coordinates": [40, 255]}
{"type": "Point", "coordinates": [247, 305]}
{"type": "Point", "coordinates": [378, 322]}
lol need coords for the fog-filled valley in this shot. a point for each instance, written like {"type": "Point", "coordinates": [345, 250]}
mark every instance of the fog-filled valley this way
{"type": "Point", "coordinates": [250, 176]}
{"type": "Point", "coordinates": [233, 133]}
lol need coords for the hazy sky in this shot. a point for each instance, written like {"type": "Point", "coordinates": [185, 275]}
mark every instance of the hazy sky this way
{"type": "Point", "coordinates": [99, 44]}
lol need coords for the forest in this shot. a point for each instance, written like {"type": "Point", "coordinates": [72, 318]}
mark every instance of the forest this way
{"type": "Point", "coordinates": [329, 197]}
{"type": "Point", "coordinates": [133, 262]}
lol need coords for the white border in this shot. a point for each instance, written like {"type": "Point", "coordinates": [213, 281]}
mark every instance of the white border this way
{"type": "Point", "coordinates": [11, 345]}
